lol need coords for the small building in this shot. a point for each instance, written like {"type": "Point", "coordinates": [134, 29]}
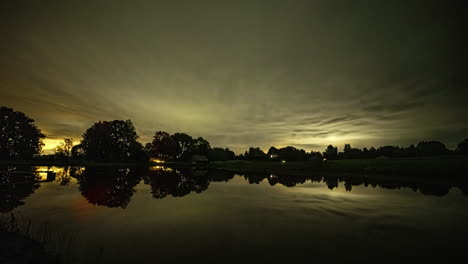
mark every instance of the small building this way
{"type": "Point", "coordinates": [199, 159]}
{"type": "Point", "coordinates": [382, 157]}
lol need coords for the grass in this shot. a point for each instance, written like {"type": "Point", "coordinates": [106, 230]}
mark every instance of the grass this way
{"type": "Point", "coordinates": [27, 242]}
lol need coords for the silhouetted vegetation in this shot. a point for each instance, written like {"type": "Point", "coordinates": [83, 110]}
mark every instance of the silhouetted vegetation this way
{"type": "Point", "coordinates": [220, 154]}
{"type": "Point", "coordinates": [19, 136]}
{"type": "Point", "coordinates": [178, 146]}
{"type": "Point", "coordinates": [115, 186]}
{"type": "Point", "coordinates": [16, 184]}
{"type": "Point", "coordinates": [176, 182]}
{"type": "Point", "coordinates": [108, 186]}
{"type": "Point", "coordinates": [331, 153]}
{"type": "Point", "coordinates": [462, 147]}
{"type": "Point", "coordinates": [63, 152]}
{"type": "Point", "coordinates": [117, 141]}
{"type": "Point", "coordinates": [112, 141]}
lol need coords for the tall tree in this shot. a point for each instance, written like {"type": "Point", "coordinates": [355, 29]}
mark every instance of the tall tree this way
{"type": "Point", "coordinates": [112, 141]}
{"type": "Point", "coordinates": [162, 146]}
{"type": "Point", "coordinates": [19, 136]}
{"type": "Point", "coordinates": [255, 154]}
{"type": "Point", "coordinates": [201, 146]}
{"type": "Point", "coordinates": [64, 149]}
{"type": "Point", "coordinates": [331, 152]}
{"type": "Point", "coordinates": [431, 148]}
{"type": "Point", "coordinates": [184, 145]}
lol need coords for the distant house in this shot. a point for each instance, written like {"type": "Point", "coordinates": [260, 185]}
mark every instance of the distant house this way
{"type": "Point", "coordinates": [382, 157]}
{"type": "Point", "coordinates": [199, 159]}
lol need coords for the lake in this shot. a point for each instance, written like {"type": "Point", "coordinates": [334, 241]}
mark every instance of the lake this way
{"type": "Point", "coordinates": [141, 215]}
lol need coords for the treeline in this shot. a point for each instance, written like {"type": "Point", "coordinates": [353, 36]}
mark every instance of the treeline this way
{"type": "Point", "coordinates": [104, 141]}
{"type": "Point", "coordinates": [117, 141]}
{"type": "Point", "coordinates": [422, 149]}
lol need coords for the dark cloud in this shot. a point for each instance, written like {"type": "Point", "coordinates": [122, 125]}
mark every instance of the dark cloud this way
{"type": "Point", "coordinates": [302, 73]}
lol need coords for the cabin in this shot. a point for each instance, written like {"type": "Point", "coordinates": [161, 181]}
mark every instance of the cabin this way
{"type": "Point", "coordinates": [199, 159]}
{"type": "Point", "coordinates": [382, 157]}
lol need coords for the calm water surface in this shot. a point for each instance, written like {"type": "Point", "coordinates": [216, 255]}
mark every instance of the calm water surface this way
{"type": "Point", "coordinates": [125, 215]}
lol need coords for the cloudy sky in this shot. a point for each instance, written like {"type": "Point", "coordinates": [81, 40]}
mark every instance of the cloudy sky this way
{"type": "Point", "coordinates": [240, 73]}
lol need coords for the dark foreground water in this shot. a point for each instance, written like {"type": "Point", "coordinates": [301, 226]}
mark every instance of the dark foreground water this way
{"type": "Point", "coordinates": [128, 215]}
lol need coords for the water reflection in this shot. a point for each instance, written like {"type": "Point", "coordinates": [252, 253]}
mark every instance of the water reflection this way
{"type": "Point", "coordinates": [108, 186]}
{"type": "Point", "coordinates": [16, 184]}
{"type": "Point", "coordinates": [176, 182]}
{"type": "Point", "coordinates": [114, 186]}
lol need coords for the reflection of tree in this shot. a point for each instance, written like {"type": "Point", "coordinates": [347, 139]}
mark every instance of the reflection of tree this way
{"type": "Point", "coordinates": [63, 176]}
{"type": "Point", "coordinates": [15, 186]}
{"type": "Point", "coordinates": [220, 175]}
{"type": "Point", "coordinates": [108, 186]}
{"type": "Point", "coordinates": [331, 181]}
{"type": "Point", "coordinates": [177, 183]}
{"type": "Point", "coordinates": [436, 187]}
{"type": "Point", "coordinates": [255, 178]}
{"type": "Point", "coordinates": [292, 180]}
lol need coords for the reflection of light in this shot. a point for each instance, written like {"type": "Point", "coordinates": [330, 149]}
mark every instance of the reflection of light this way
{"type": "Point", "coordinates": [159, 168]}
{"type": "Point", "coordinates": [42, 173]}
{"type": "Point", "coordinates": [157, 160]}
{"type": "Point", "coordinates": [42, 176]}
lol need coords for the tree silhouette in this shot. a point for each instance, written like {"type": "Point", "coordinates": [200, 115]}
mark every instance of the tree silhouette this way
{"type": "Point", "coordinates": [64, 150]}
{"type": "Point", "coordinates": [112, 141]}
{"type": "Point", "coordinates": [201, 146]}
{"type": "Point", "coordinates": [462, 147]}
{"type": "Point", "coordinates": [431, 148]}
{"type": "Point", "coordinates": [19, 136]}
{"type": "Point", "coordinates": [292, 154]}
{"type": "Point", "coordinates": [255, 154]}
{"type": "Point", "coordinates": [220, 154]}
{"type": "Point", "coordinates": [162, 146]}
{"type": "Point", "coordinates": [77, 152]}
{"type": "Point", "coordinates": [184, 144]}
{"type": "Point", "coordinates": [351, 153]}
{"type": "Point", "coordinates": [179, 146]}
{"type": "Point", "coordinates": [331, 152]}
{"type": "Point", "coordinates": [273, 153]}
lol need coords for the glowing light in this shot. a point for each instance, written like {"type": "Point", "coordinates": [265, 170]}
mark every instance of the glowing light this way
{"type": "Point", "coordinates": [283, 161]}
{"type": "Point", "coordinates": [157, 161]}
{"type": "Point", "coordinates": [160, 168]}
{"type": "Point", "coordinates": [51, 143]}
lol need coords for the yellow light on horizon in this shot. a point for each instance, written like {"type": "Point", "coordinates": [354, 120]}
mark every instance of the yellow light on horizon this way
{"type": "Point", "coordinates": [51, 143]}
